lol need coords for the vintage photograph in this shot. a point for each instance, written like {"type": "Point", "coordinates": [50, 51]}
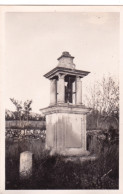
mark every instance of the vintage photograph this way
{"type": "Point", "coordinates": [62, 99]}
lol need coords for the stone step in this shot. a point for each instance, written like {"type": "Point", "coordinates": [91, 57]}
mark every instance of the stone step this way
{"type": "Point", "coordinates": [80, 158]}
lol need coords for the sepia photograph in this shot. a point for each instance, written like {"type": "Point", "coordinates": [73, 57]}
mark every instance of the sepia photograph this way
{"type": "Point", "coordinates": [61, 98]}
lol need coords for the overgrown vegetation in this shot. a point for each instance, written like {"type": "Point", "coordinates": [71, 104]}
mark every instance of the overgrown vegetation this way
{"type": "Point", "coordinates": [103, 98]}
{"type": "Point", "coordinates": [55, 172]}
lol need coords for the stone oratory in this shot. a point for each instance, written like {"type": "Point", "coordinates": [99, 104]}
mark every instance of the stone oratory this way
{"type": "Point", "coordinates": [66, 115]}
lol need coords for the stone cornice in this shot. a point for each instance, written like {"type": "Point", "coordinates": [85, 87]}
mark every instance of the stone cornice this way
{"type": "Point", "coordinates": [65, 108]}
{"type": "Point", "coordinates": [66, 71]}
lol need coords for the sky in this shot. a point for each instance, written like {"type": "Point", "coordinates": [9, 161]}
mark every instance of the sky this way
{"type": "Point", "coordinates": [34, 41]}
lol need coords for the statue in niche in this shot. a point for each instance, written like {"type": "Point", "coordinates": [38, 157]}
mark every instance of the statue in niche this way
{"type": "Point", "coordinates": [68, 92]}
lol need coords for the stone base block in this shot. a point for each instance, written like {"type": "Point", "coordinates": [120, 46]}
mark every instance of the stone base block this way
{"type": "Point", "coordinates": [70, 152]}
{"type": "Point", "coordinates": [66, 130]}
{"type": "Point", "coordinates": [81, 159]}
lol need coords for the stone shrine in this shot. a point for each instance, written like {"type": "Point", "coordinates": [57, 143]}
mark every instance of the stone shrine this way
{"type": "Point", "coordinates": [66, 115]}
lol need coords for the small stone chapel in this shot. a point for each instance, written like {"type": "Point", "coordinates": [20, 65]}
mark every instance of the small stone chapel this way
{"type": "Point", "coordinates": [66, 115]}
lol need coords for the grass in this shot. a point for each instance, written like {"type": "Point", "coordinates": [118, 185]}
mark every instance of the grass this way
{"type": "Point", "coordinates": [54, 172]}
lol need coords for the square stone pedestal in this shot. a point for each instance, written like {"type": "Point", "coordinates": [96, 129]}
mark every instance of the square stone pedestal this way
{"type": "Point", "coordinates": [66, 129]}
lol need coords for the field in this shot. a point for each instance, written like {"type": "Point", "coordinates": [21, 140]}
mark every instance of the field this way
{"type": "Point", "coordinates": [54, 172]}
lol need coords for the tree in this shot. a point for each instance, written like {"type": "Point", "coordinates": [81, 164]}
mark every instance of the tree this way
{"type": "Point", "coordinates": [18, 106]}
{"type": "Point", "coordinates": [103, 98]}
{"type": "Point", "coordinates": [27, 108]}
{"type": "Point", "coordinates": [22, 112]}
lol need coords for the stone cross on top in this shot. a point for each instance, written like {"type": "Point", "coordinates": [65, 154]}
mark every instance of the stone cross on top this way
{"type": "Point", "coordinates": [66, 85]}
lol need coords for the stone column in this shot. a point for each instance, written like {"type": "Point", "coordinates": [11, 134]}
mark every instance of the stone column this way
{"type": "Point", "coordinates": [61, 89]}
{"type": "Point", "coordinates": [53, 90]}
{"type": "Point", "coordinates": [78, 91]}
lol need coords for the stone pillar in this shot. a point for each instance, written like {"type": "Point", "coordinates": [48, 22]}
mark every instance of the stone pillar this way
{"type": "Point", "coordinates": [61, 89]}
{"type": "Point", "coordinates": [74, 93]}
{"type": "Point", "coordinates": [78, 91]}
{"type": "Point", "coordinates": [53, 91]}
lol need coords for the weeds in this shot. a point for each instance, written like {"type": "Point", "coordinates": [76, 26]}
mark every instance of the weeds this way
{"type": "Point", "coordinates": [54, 172]}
